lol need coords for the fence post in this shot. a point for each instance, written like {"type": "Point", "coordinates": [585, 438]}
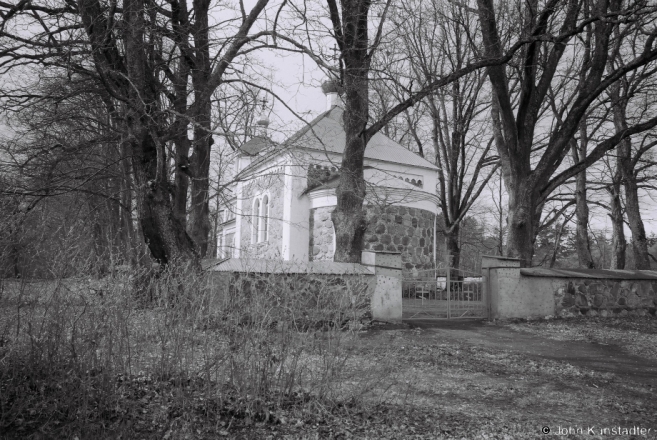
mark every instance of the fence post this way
{"type": "Point", "coordinates": [448, 278]}
{"type": "Point", "coordinates": [386, 301]}
{"type": "Point", "coordinates": [490, 288]}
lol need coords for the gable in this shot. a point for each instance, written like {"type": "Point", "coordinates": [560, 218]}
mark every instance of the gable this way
{"type": "Point", "coordinates": [325, 133]}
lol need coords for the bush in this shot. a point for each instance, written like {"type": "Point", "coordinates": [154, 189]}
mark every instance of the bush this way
{"type": "Point", "coordinates": [79, 355]}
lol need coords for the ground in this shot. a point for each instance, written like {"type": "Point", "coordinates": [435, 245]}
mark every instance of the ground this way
{"type": "Point", "coordinates": [425, 380]}
{"type": "Point", "coordinates": [472, 379]}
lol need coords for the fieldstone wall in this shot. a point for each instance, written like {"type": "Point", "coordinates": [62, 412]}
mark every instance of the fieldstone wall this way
{"type": "Point", "coordinates": [401, 229]}
{"type": "Point", "coordinates": [273, 184]}
{"type": "Point", "coordinates": [309, 299]}
{"type": "Point", "coordinates": [605, 297]}
{"type": "Point", "coordinates": [321, 247]}
{"type": "Point", "coordinates": [391, 228]}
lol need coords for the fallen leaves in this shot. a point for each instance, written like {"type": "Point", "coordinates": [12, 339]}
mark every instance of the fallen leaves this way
{"type": "Point", "coordinates": [636, 335]}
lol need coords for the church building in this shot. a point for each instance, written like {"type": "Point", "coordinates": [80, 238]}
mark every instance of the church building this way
{"type": "Point", "coordinates": [284, 195]}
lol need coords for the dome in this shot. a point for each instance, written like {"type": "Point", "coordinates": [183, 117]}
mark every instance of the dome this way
{"type": "Point", "coordinates": [332, 86]}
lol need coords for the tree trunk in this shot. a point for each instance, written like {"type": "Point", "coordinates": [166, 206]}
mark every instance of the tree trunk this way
{"type": "Point", "coordinates": [557, 242]}
{"type": "Point", "coordinates": [199, 218]}
{"type": "Point", "coordinates": [639, 241]}
{"type": "Point", "coordinates": [618, 242]}
{"type": "Point", "coordinates": [500, 220]}
{"type": "Point", "coordinates": [132, 75]}
{"type": "Point", "coordinates": [522, 221]}
{"type": "Point", "coordinates": [348, 216]}
{"type": "Point", "coordinates": [452, 244]}
{"type": "Point", "coordinates": [163, 233]}
{"type": "Point", "coordinates": [130, 244]}
{"type": "Point", "coordinates": [632, 206]}
{"type": "Point", "coordinates": [582, 240]}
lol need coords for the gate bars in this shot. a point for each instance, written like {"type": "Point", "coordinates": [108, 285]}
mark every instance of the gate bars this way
{"type": "Point", "coordinates": [445, 293]}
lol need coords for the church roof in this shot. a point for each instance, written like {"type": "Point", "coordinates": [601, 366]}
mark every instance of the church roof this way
{"type": "Point", "coordinates": [326, 133]}
{"type": "Point", "coordinates": [255, 145]}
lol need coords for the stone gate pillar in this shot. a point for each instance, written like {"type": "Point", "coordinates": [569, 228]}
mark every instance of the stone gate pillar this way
{"type": "Point", "coordinates": [386, 301]}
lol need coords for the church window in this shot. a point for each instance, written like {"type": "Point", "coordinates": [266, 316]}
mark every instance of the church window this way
{"type": "Point", "coordinates": [260, 222]}
{"type": "Point", "coordinates": [264, 219]}
{"type": "Point", "coordinates": [229, 244]}
{"type": "Point", "coordinates": [255, 220]}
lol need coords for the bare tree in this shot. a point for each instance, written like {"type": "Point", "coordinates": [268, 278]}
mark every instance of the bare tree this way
{"type": "Point", "coordinates": [141, 56]}
{"type": "Point", "coordinates": [350, 29]}
{"type": "Point", "coordinates": [452, 124]}
{"type": "Point", "coordinates": [530, 169]}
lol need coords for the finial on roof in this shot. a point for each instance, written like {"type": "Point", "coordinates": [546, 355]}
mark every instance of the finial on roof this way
{"type": "Point", "coordinates": [333, 90]}
{"type": "Point", "coordinates": [263, 122]}
{"type": "Point", "coordinates": [332, 86]}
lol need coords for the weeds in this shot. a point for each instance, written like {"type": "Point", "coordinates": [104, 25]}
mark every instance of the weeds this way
{"type": "Point", "coordinates": [79, 355]}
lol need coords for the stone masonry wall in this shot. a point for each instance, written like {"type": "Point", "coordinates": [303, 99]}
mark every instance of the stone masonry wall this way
{"type": "Point", "coordinates": [312, 297]}
{"type": "Point", "coordinates": [391, 228]}
{"type": "Point", "coordinates": [401, 229]}
{"type": "Point", "coordinates": [605, 297]}
{"type": "Point", "coordinates": [321, 234]}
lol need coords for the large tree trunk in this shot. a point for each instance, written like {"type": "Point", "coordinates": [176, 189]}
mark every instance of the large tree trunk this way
{"type": "Point", "coordinates": [632, 206]}
{"type": "Point", "coordinates": [163, 233]}
{"type": "Point", "coordinates": [452, 244]}
{"type": "Point", "coordinates": [127, 229]}
{"type": "Point", "coordinates": [348, 216]}
{"type": "Point", "coordinates": [181, 178]}
{"type": "Point", "coordinates": [199, 216]}
{"type": "Point", "coordinates": [522, 220]}
{"type": "Point", "coordinates": [639, 241]}
{"type": "Point", "coordinates": [199, 219]}
{"type": "Point", "coordinates": [618, 242]}
{"type": "Point", "coordinates": [582, 241]}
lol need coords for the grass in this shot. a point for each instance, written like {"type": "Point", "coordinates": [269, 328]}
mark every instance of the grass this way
{"type": "Point", "coordinates": [74, 363]}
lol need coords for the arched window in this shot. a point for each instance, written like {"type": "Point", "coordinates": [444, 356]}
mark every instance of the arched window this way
{"type": "Point", "coordinates": [255, 219]}
{"type": "Point", "coordinates": [264, 219]}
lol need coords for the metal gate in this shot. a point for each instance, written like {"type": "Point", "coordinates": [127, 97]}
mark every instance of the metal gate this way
{"type": "Point", "coordinates": [444, 294]}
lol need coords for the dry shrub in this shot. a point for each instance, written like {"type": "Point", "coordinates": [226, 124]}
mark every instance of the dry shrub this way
{"type": "Point", "coordinates": [77, 354]}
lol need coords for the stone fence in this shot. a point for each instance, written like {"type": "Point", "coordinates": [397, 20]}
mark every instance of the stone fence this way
{"type": "Point", "coordinates": [530, 293]}
{"type": "Point", "coordinates": [372, 287]}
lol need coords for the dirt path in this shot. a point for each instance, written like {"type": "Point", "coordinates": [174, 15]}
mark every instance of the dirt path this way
{"type": "Point", "coordinates": [599, 357]}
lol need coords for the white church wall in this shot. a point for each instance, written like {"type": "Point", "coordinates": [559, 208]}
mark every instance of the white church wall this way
{"type": "Point", "coordinates": [295, 216]}
{"type": "Point", "coordinates": [428, 176]}
{"type": "Point", "coordinates": [271, 185]}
